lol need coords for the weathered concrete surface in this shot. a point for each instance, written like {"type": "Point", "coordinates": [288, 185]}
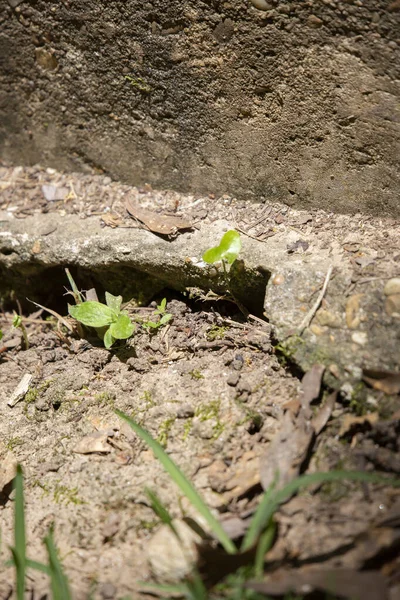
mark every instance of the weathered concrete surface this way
{"type": "Point", "coordinates": [353, 328]}
{"type": "Point", "coordinates": [297, 103]}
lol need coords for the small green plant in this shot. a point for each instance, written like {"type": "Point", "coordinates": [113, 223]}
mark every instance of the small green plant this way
{"type": "Point", "coordinates": [18, 324]}
{"type": "Point", "coordinates": [227, 250]}
{"type": "Point", "coordinates": [110, 322]}
{"type": "Point", "coordinates": [164, 317]}
{"type": "Point", "coordinates": [216, 333]}
{"type": "Point", "coordinates": [139, 83]}
{"type": "Point", "coordinates": [196, 374]}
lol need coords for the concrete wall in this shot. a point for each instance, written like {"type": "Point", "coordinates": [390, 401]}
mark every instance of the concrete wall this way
{"type": "Point", "coordinates": [297, 102]}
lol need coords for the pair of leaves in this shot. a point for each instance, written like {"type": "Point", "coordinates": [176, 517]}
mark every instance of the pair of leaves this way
{"type": "Point", "coordinates": [227, 250]}
{"type": "Point", "coordinates": [164, 316]}
{"type": "Point", "coordinates": [98, 315]}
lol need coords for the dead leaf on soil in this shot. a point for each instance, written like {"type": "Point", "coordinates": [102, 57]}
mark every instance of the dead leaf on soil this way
{"type": "Point", "coordinates": [95, 442]}
{"type": "Point", "coordinates": [21, 389]}
{"type": "Point", "coordinates": [311, 386]}
{"type": "Point", "coordinates": [384, 381]}
{"type": "Point", "coordinates": [346, 583]}
{"type": "Point", "coordinates": [298, 246]}
{"type": "Point", "coordinates": [156, 222]}
{"type": "Point", "coordinates": [350, 422]}
{"type": "Point", "coordinates": [111, 220]}
{"type": "Point", "coordinates": [324, 413]}
{"type": "Point", "coordinates": [287, 451]}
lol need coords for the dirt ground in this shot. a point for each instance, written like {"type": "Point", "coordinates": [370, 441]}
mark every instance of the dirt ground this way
{"type": "Point", "coordinates": [215, 390]}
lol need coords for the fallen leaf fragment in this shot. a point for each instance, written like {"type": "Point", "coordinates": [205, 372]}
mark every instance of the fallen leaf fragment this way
{"type": "Point", "coordinates": [346, 583]}
{"type": "Point", "coordinates": [324, 413]}
{"type": "Point", "coordinates": [95, 442]}
{"type": "Point", "coordinates": [311, 386]}
{"type": "Point", "coordinates": [156, 222]}
{"type": "Point", "coordinates": [387, 382]}
{"type": "Point", "coordinates": [350, 422]}
{"type": "Point", "coordinates": [111, 220]}
{"type": "Point", "coordinates": [286, 451]}
{"type": "Point", "coordinates": [21, 389]}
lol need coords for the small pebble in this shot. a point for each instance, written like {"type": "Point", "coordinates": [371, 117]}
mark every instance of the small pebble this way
{"type": "Point", "coordinates": [233, 379]}
{"type": "Point", "coordinates": [392, 287]}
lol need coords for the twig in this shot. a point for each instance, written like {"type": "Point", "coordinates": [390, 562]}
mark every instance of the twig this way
{"type": "Point", "coordinates": [55, 314]}
{"type": "Point", "coordinates": [309, 316]}
{"type": "Point", "coordinates": [253, 237]}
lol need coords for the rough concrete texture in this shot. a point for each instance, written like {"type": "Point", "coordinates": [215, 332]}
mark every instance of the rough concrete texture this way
{"type": "Point", "coordinates": [298, 102]}
{"type": "Point", "coordinates": [354, 327]}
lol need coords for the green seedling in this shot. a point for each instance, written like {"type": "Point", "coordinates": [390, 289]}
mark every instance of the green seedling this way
{"type": "Point", "coordinates": [226, 252]}
{"type": "Point", "coordinates": [164, 317]}
{"type": "Point", "coordinates": [108, 319]}
{"type": "Point", "coordinates": [18, 324]}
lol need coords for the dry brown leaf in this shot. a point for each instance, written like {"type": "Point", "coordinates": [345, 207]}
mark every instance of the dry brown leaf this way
{"type": "Point", "coordinates": [95, 442]}
{"type": "Point", "coordinates": [111, 220]}
{"type": "Point", "coordinates": [156, 222]}
{"type": "Point", "coordinates": [287, 451]}
{"type": "Point", "coordinates": [310, 386]}
{"type": "Point", "coordinates": [346, 583]}
{"type": "Point", "coordinates": [324, 413]}
{"type": "Point", "coordinates": [350, 422]}
{"type": "Point", "coordinates": [384, 381]}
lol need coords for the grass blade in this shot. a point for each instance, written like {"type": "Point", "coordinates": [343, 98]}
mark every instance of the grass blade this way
{"type": "Point", "coordinates": [271, 500]}
{"type": "Point", "coordinates": [264, 545]}
{"type": "Point", "coordinates": [59, 583]}
{"type": "Point", "coordinates": [75, 292]}
{"type": "Point", "coordinates": [160, 510]}
{"type": "Point", "coordinates": [19, 550]}
{"type": "Point", "coordinates": [37, 566]}
{"type": "Point", "coordinates": [183, 483]}
{"type": "Point", "coordinates": [257, 524]}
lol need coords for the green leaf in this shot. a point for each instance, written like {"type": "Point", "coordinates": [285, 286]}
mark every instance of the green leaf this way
{"type": "Point", "coordinates": [114, 302]}
{"type": "Point", "coordinates": [59, 582]}
{"type": "Point", "coordinates": [164, 319]}
{"type": "Point", "coordinates": [75, 292]}
{"type": "Point", "coordinates": [228, 249]}
{"type": "Point", "coordinates": [108, 339]}
{"type": "Point", "coordinates": [1, 334]}
{"type": "Point", "coordinates": [19, 550]}
{"type": "Point", "coordinates": [161, 510]}
{"type": "Point", "coordinates": [122, 328]}
{"type": "Point", "coordinates": [92, 314]}
{"type": "Point", "coordinates": [162, 306]}
{"type": "Point", "coordinates": [183, 483]}
{"type": "Point", "coordinates": [17, 320]}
